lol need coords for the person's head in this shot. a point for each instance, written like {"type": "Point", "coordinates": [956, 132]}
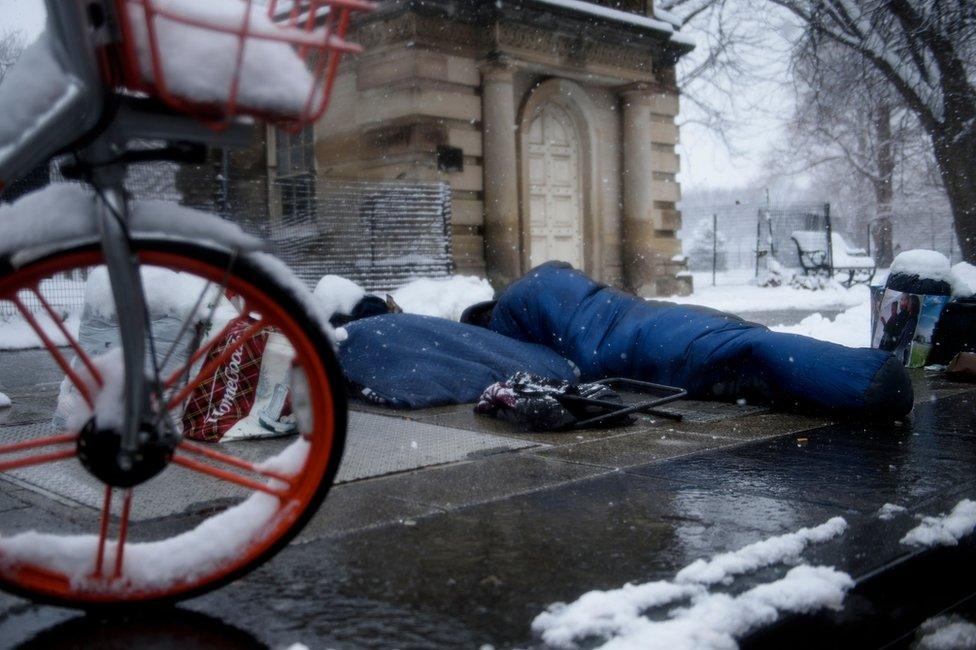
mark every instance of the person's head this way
{"type": "Point", "coordinates": [903, 302]}
{"type": "Point", "coordinates": [916, 305]}
{"type": "Point", "coordinates": [894, 307]}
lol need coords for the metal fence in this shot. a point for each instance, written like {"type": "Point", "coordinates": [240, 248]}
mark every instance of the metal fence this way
{"type": "Point", "coordinates": [730, 243]}
{"type": "Point", "coordinates": [378, 234]}
{"type": "Point", "coordinates": [926, 228]}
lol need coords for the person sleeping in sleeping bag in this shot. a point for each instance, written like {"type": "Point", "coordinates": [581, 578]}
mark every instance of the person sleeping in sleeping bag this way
{"type": "Point", "coordinates": [713, 355]}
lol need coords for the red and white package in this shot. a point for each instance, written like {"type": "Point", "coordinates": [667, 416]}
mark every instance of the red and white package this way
{"type": "Point", "coordinates": [227, 396]}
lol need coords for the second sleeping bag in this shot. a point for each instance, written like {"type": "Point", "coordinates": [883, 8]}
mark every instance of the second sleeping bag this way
{"type": "Point", "coordinates": [713, 355]}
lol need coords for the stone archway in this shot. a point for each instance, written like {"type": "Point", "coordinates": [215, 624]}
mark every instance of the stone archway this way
{"type": "Point", "coordinates": [558, 215]}
{"type": "Point", "coordinates": [555, 188]}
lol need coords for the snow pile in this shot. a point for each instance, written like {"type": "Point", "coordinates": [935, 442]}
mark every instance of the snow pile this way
{"type": "Point", "coordinates": [815, 282]}
{"type": "Point", "coordinates": [746, 298]}
{"type": "Point", "coordinates": [711, 620]}
{"type": "Point", "coordinates": [168, 293]}
{"type": "Point", "coordinates": [946, 633]}
{"type": "Point", "coordinates": [851, 328]}
{"type": "Point", "coordinates": [764, 553]}
{"type": "Point", "coordinates": [199, 64]}
{"type": "Point", "coordinates": [923, 263]}
{"type": "Point", "coordinates": [17, 334]}
{"type": "Point", "coordinates": [443, 297]}
{"type": "Point", "coordinates": [338, 294]}
{"type": "Point", "coordinates": [963, 279]}
{"type": "Point", "coordinates": [944, 530]}
{"type": "Point", "coordinates": [202, 551]}
{"type": "Point", "coordinates": [774, 275]}
{"type": "Point", "coordinates": [5, 401]}
{"type": "Point", "coordinates": [888, 511]}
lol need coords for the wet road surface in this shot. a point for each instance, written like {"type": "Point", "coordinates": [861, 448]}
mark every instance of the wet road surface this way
{"type": "Point", "coordinates": [468, 553]}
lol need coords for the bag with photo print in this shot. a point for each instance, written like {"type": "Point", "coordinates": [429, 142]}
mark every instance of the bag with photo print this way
{"type": "Point", "coordinates": [913, 299]}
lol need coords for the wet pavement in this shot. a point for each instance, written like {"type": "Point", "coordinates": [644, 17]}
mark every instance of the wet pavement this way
{"type": "Point", "coordinates": [468, 552]}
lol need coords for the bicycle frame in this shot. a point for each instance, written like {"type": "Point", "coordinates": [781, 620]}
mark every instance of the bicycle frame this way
{"type": "Point", "coordinates": [77, 30]}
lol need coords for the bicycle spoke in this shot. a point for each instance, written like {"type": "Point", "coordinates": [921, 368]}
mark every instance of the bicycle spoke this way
{"type": "Point", "coordinates": [210, 368]}
{"type": "Point", "coordinates": [233, 461]}
{"type": "Point", "coordinates": [180, 372]}
{"type": "Point", "coordinates": [103, 531]}
{"type": "Point", "coordinates": [123, 532]}
{"type": "Point", "coordinates": [54, 352]}
{"type": "Point", "coordinates": [79, 352]}
{"type": "Point", "coordinates": [224, 475]}
{"type": "Point", "coordinates": [218, 294]}
{"type": "Point", "coordinates": [38, 442]}
{"type": "Point", "coordinates": [185, 325]}
{"type": "Point", "coordinates": [40, 459]}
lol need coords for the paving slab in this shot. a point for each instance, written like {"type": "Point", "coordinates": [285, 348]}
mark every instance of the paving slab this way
{"type": "Point", "coordinates": [637, 448]}
{"type": "Point", "coordinates": [375, 445]}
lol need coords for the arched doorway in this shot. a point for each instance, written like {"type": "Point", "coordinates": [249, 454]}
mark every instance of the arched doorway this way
{"type": "Point", "coordinates": [555, 188]}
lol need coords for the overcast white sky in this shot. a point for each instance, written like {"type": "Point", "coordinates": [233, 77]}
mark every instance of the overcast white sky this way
{"type": "Point", "coordinates": [24, 15]}
{"type": "Point", "coordinates": [705, 161]}
{"type": "Point", "coordinates": [759, 105]}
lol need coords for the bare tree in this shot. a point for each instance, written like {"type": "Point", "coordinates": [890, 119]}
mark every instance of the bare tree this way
{"type": "Point", "coordinates": [11, 45]}
{"type": "Point", "coordinates": [730, 45]}
{"type": "Point", "coordinates": [847, 114]}
{"type": "Point", "coordinates": [925, 51]}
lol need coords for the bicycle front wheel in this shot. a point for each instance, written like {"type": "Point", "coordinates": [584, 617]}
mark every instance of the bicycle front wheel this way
{"type": "Point", "coordinates": [225, 333]}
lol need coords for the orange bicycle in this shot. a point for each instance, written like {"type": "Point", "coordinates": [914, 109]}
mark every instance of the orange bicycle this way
{"type": "Point", "coordinates": [121, 507]}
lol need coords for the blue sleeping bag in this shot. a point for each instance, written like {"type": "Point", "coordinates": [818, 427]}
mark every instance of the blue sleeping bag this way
{"type": "Point", "coordinates": [713, 355]}
{"type": "Point", "coordinates": [411, 361]}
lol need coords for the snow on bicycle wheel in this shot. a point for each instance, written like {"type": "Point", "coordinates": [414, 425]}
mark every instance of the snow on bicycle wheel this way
{"type": "Point", "coordinates": [180, 516]}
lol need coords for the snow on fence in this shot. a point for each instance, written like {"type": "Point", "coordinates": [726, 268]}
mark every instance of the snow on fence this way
{"type": "Point", "coordinates": [379, 234]}
{"type": "Point", "coordinates": [732, 241]}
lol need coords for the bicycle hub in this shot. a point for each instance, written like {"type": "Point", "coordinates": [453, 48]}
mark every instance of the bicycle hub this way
{"type": "Point", "coordinates": [100, 451]}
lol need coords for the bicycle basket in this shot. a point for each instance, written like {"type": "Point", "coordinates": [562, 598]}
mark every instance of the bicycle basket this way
{"type": "Point", "coordinates": [276, 61]}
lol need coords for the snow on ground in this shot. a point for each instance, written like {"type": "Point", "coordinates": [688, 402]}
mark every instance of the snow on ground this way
{"type": "Point", "coordinates": [4, 400]}
{"type": "Point", "coordinates": [17, 334]}
{"type": "Point", "coordinates": [944, 530]}
{"type": "Point", "coordinates": [619, 619]}
{"type": "Point", "coordinates": [443, 297]}
{"type": "Point", "coordinates": [946, 633]}
{"type": "Point", "coordinates": [763, 553]}
{"type": "Point", "coordinates": [851, 327]}
{"type": "Point", "coordinates": [734, 294]}
{"type": "Point", "coordinates": [888, 511]}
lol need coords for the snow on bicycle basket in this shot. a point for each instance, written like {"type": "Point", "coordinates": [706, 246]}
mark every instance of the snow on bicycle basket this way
{"type": "Point", "coordinates": [221, 58]}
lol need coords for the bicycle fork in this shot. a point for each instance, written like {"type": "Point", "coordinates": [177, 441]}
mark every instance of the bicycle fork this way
{"type": "Point", "coordinates": [130, 307]}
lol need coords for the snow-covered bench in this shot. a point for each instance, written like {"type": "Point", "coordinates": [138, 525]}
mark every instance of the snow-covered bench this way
{"type": "Point", "coordinates": [852, 265]}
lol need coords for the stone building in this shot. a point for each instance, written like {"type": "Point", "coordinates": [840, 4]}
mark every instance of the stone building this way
{"type": "Point", "coordinates": [552, 120]}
